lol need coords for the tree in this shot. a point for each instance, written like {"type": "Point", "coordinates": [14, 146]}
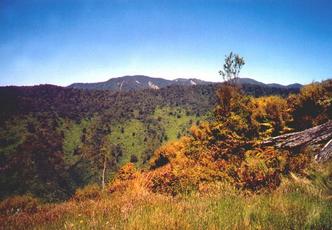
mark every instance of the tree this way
{"type": "Point", "coordinates": [231, 68]}
{"type": "Point", "coordinates": [234, 109]}
{"type": "Point", "coordinates": [228, 94]}
{"type": "Point", "coordinates": [105, 154]}
{"type": "Point", "coordinates": [133, 158]}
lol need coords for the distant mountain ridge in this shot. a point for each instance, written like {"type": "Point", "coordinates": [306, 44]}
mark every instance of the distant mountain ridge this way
{"type": "Point", "coordinates": [138, 82]}
{"type": "Point", "coordinates": [250, 81]}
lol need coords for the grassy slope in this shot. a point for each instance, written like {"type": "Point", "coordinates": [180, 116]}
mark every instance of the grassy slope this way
{"type": "Point", "coordinates": [72, 138]}
{"type": "Point", "coordinates": [171, 120]}
{"type": "Point", "coordinates": [131, 140]}
{"type": "Point", "coordinates": [174, 120]}
{"type": "Point", "coordinates": [13, 133]}
{"type": "Point", "coordinates": [299, 203]}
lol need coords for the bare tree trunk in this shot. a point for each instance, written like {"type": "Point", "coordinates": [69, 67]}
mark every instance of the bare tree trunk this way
{"type": "Point", "coordinates": [103, 175]}
{"type": "Point", "coordinates": [317, 135]}
{"type": "Point", "coordinates": [326, 152]}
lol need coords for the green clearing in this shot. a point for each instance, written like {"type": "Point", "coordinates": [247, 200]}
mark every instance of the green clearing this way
{"type": "Point", "coordinates": [130, 135]}
{"type": "Point", "coordinates": [72, 138]}
{"type": "Point", "coordinates": [175, 120]}
{"type": "Point", "coordinates": [12, 134]}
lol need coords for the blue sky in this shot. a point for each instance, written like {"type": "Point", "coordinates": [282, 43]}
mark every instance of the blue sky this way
{"type": "Point", "coordinates": [61, 42]}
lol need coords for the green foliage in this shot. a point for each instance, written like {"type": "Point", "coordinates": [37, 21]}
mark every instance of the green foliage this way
{"type": "Point", "coordinates": [36, 165]}
{"type": "Point", "coordinates": [73, 139]}
{"type": "Point", "coordinates": [231, 68]}
{"type": "Point", "coordinates": [13, 133]}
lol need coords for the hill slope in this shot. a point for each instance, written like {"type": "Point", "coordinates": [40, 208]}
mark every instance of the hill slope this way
{"type": "Point", "coordinates": [51, 137]}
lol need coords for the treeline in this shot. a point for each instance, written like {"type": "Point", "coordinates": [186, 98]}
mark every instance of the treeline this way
{"type": "Point", "coordinates": [77, 104]}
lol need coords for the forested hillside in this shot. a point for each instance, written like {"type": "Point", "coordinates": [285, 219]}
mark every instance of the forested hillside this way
{"type": "Point", "coordinates": [54, 139]}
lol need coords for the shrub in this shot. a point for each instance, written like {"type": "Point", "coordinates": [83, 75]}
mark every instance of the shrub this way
{"type": "Point", "coordinates": [297, 163]}
{"type": "Point", "coordinates": [235, 111]}
{"type": "Point", "coordinates": [125, 174]}
{"type": "Point", "coordinates": [17, 204]}
{"type": "Point", "coordinates": [272, 115]}
{"type": "Point", "coordinates": [89, 192]}
{"type": "Point", "coordinates": [169, 152]}
{"type": "Point", "coordinates": [262, 168]}
{"type": "Point", "coordinates": [312, 106]}
{"type": "Point", "coordinates": [133, 158]}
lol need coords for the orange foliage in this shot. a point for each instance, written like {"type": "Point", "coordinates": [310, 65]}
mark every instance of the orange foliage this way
{"type": "Point", "coordinates": [235, 111]}
{"type": "Point", "coordinates": [313, 106]}
{"type": "Point", "coordinates": [125, 174]}
{"type": "Point", "coordinates": [262, 168]}
{"type": "Point", "coordinates": [92, 191]}
{"type": "Point", "coordinates": [272, 115]}
{"type": "Point", "coordinates": [169, 153]}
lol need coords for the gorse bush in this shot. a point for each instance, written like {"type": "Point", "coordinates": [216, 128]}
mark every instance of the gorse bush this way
{"type": "Point", "coordinates": [235, 111]}
{"type": "Point", "coordinates": [272, 115]}
{"type": "Point", "coordinates": [126, 173]}
{"type": "Point", "coordinates": [255, 169]}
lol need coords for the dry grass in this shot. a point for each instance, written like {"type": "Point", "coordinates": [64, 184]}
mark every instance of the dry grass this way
{"type": "Point", "coordinates": [299, 203]}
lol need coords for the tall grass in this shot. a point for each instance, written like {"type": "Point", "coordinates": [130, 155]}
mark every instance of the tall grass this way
{"type": "Point", "coordinates": [299, 203]}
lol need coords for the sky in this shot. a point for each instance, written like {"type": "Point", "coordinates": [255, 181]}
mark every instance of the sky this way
{"type": "Point", "coordinates": [65, 41]}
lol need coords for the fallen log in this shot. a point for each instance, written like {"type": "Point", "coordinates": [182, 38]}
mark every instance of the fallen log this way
{"type": "Point", "coordinates": [317, 135]}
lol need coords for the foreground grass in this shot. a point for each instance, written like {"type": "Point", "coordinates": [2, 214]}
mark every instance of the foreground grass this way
{"type": "Point", "coordinates": [296, 204]}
